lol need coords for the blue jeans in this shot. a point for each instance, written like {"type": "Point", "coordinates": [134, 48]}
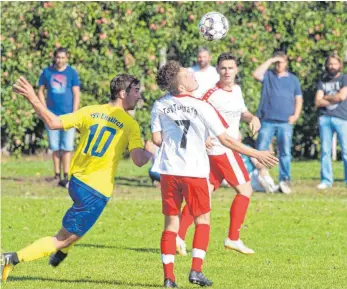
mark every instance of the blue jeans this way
{"type": "Point", "coordinates": [327, 126]}
{"type": "Point", "coordinates": [284, 134]}
{"type": "Point", "coordinates": [154, 175]}
{"type": "Point", "coordinates": [61, 140]}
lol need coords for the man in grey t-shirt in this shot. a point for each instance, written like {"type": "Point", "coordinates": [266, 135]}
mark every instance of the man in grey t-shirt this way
{"type": "Point", "coordinates": [331, 99]}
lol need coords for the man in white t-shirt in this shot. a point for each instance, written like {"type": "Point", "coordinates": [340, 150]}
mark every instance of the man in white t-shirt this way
{"type": "Point", "coordinates": [205, 74]}
{"type": "Point", "coordinates": [226, 97]}
{"type": "Point", "coordinates": [180, 126]}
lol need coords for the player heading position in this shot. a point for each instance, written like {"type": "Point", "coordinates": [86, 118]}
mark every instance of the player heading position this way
{"type": "Point", "coordinates": [106, 131]}
{"type": "Point", "coordinates": [180, 125]}
{"type": "Point", "coordinates": [226, 97]}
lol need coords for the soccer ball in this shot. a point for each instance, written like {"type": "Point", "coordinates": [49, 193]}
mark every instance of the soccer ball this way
{"type": "Point", "coordinates": [213, 26]}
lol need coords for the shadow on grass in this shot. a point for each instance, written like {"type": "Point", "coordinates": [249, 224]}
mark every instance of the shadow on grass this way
{"type": "Point", "coordinates": [33, 278]}
{"type": "Point", "coordinates": [137, 182]}
{"type": "Point", "coordinates": [98, 246]}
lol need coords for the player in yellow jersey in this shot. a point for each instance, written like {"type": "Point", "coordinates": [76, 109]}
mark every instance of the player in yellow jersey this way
{"type": "Point", "coordinates": [106, 131]}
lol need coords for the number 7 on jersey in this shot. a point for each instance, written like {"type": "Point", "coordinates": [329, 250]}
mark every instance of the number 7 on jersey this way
{"type": "Point", "coordinates": [186, 124]}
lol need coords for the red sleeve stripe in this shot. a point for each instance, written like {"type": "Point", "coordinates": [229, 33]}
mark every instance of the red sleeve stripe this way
{"type": "Point", "coordinates": [208, 93]}
{"type": "Point", "coordinates": [225, 124]}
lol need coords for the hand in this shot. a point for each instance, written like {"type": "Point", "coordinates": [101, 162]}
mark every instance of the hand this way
{"type": "Point", "coordinates": [254, 125]}
{"type": "Point", "coordinates": [23, 87]}
{"type": "Point", "coordinates": [277, 59]}
{"type": "Point", "coordinates": [292, 119]}
{"type": "Point", "coordinates": [267, 159]}
{"type": "Point", "coordinates": [209, 142]}
{"type": "Point", "coordinates": [149, 146]}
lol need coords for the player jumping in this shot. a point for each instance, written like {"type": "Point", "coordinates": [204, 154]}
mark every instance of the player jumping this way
{"type": "Point", "coordinates": [180, 125]}
{"type": "Point", "coordinates": [106, 131]}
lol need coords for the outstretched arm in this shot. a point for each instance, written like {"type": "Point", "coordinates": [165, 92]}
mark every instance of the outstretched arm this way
{"type": "Point", "coordinates": [264, 157]}
{"type": "Point", "coordinates": [23, 87]}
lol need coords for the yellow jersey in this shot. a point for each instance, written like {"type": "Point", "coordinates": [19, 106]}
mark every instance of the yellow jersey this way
{"type": "Point", "coordinates": [106, 131]}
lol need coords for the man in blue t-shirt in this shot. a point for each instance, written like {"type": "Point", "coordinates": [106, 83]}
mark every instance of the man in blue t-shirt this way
{"type": "Point", "coordinates": [331, 98]}
{"type": "Point", "coordinates": [279, 108]}
{"type": "Point", "coordinates": [63, 96]}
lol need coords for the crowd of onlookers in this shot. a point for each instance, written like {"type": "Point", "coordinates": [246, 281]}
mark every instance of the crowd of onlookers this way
{"type": "Point", "coordinates": [279, 109]}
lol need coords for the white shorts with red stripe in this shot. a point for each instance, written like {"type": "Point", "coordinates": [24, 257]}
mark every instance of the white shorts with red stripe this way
{"type": "Point", "coordinates": [228, 166]}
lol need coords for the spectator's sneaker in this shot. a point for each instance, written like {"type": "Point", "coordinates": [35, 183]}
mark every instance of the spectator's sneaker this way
{"type": "Point", "coordinates": [56, 258]}
{"type": "Point", "coordinates": [264, 183]}
{"type": "Point", "coordinates": [181, 247]}
{"type": "Point", "coordinates": [8, 261]}
{"type": "Point", "coordinates": [285, 188]}
{"type": "Point", "coordinates": [237, 246]}
{"type": "Point", "coordinates": [169, 284]}
{"type": "Point", "coordinates": [199, 278]}
{"type": "Point", "coordinates": [64, 183]}
{"type": "Point", "coordinates": [323, 186]}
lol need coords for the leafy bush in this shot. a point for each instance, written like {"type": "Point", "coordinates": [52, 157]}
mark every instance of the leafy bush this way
{"type": "Point", "coordinates": [106, 38]}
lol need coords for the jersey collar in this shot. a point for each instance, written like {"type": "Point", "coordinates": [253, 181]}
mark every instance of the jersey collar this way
{"type": "Point", "coordinates": [182, 95]}
{"type": "Point", "coordinates": [218, 85]}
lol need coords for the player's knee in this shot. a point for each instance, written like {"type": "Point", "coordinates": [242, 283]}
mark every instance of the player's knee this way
{"type": "Point", "coordinates": [203, 219]}
{"type": "Point", "coordinates": [172, 223]}
{"type": "Point", "coordinates": [245, 189]}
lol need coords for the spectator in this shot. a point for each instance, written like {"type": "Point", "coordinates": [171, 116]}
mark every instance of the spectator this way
{"type": "Point", "coordinates": [206, 75]}
{"type": "Point", "coordinates": [331, 98]}
{"type": "Point", "coordinates": [280, 107]}
{"type": "Point", "coordinates": [261, 179]}
{"type": "Point", "coordinates": [63, 96]}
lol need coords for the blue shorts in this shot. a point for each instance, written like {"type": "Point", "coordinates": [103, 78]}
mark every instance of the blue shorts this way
{"type": "Point", "coordinates": [88, 205]}
{"type": "Point", "coordinates": [61, 140]}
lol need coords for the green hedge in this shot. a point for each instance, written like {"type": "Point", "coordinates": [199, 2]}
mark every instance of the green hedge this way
{"type": "Point", "coordinates": [106, 38]}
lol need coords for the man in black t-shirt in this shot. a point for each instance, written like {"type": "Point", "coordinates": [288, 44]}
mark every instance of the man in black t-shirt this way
{"type": "Point", "coordinates": [331, 99]}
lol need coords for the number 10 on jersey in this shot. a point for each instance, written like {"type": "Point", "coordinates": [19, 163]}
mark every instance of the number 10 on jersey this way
{"type": "Point", "coordinates": [96, 152]}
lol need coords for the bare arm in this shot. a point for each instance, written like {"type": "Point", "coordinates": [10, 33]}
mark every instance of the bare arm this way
{"type": "Point", "coordinates": [264, 157]}
{"type": "Point", "coordinates": [156, 138]}
{"type": "Point", "coordinates": [76, 97]}
{"type": "Point", "coordinates": [340, 96]}
{"type": "Point", "coordinates": [319, 99]}
{"type": "Point", "coordinates": [259, 73]}
{"type": "Point", "coordinates": [297, 111]}
{"type": "Point", "coordinates": [140, 157]}
{"type": "Point", "coordinates": [23, 87]}
{"type": "Point", "coordinates": [252, 120]}
{"type": "Point", "coordinates": [41, 95]}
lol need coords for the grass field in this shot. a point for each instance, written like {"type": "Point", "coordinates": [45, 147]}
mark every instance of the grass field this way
{"type": "Point", "coordinates": [300, 239]}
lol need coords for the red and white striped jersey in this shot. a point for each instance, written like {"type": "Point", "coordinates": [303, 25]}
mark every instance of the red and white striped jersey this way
{"type": "Point", "coordinates": [184, 123]}
{"type": "Point", "coordinates": [230, 105]}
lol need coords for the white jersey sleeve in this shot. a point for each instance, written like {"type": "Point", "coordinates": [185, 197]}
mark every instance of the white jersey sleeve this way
{"type": "Point", "coordinates": [212, 120]}
{"type": "Point", "coordinates": [155, 117]}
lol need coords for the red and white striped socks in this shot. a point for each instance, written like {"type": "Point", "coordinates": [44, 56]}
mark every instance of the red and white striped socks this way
{"type": "Point", "coordinates": [168, 252]}
{"type": "Point", "coordinates": [238, 212]}
{"type": "Point", "coordinates": [200, 244]}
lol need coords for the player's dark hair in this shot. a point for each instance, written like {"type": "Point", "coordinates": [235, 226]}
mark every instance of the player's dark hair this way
{"type": "Point", "coordinates": [226, 56]}
{"type": "Point", "coordinates": [122, 82]}
{"type": "Point", "coordinates": [167, 77]}
{"type": "Point", "coordinates": [229, 56]}
{"type": "Point", "coordinates": [61, 50]}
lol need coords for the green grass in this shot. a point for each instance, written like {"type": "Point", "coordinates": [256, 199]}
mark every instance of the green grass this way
{"type": "Point", "coordinates": [300, 240]}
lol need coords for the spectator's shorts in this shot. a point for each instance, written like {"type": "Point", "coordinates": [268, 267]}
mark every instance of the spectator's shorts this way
{"type": "Point", "coordinates": [193, 190]}
{"type": "Point", "coordinates": [61, 140]}
{"type": "Point", "coordinates": [88, 205]}
{"type": "Point", "coordinates": [228, 166]}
